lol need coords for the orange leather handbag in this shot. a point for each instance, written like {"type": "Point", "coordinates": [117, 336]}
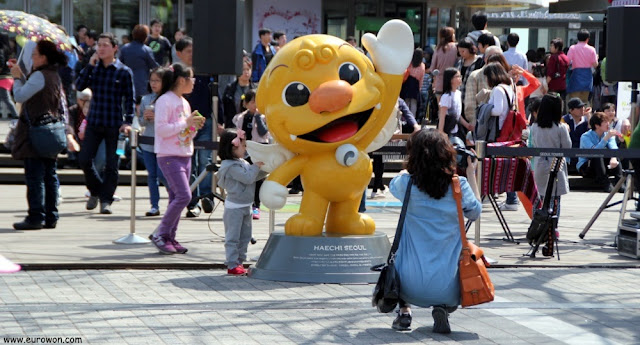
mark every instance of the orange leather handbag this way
{"type": "Point", "coordinates": [475, 285]}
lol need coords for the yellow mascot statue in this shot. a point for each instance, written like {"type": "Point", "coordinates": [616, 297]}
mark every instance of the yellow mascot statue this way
{"type": "Point", "coordinates": [327, 105]}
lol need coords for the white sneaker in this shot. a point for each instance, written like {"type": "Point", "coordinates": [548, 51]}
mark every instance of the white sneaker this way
{"type": "Point", "coordinates": [116, 198]}
{"type": "Point", "coordinates": [373, 195]}
{"type": "Point", "coordinates": [508, 207]}
{"type": "Point", "coordinates": [59, 200]}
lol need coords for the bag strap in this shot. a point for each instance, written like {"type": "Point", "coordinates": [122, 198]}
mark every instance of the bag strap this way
{"type": "Point", "coordinates": [457, 194]}
{"type": "Point", "coordinates": [403, 213]}
{"type": "Point", "coordinates": [508, 99]}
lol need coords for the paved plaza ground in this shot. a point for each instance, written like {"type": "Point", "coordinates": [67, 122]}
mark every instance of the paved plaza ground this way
{"type": "Point", "coordinates": [533, 306]}
{"type": "Point", "coordinates": [588, 297]}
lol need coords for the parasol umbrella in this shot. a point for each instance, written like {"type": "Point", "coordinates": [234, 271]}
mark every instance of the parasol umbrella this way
{"type": "Point", "coordinates": [29, 27]}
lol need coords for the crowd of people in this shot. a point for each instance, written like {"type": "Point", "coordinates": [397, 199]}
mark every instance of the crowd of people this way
{"type": "Point", "coordinates": [102, 89]}
{"type": "Point", "coordinates": [151, 82]}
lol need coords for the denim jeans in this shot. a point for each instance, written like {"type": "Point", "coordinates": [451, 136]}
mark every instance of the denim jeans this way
{"type": "Point", "coordinates": [512, 198]}
{"type": "Point", "coordinates": [42, 189]}
{"type": "Point", "coordinates": [154, 175]}
{"type": "Point", "coordinates": [199, 162]}
{"type": "Point", "coordinates": [101, 187]}
{"type": "Point", "coordinates": [5, 98]}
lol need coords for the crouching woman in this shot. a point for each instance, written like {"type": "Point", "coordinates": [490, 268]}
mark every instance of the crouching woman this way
{"type": "Point", "coordinates": [430, 245]}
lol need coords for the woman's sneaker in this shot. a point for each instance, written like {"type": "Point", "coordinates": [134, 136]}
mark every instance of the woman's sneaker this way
{"type": "Point", "coordinates": [440, 320]}
{"type": "Point", "coordinates": [179, 248]}
{"type": "Point", "coordinates": [402, 322]}
{"type": "Point", "coordinates": [237, 271]}
{"type": "Point", "coordinates": [164, 246]}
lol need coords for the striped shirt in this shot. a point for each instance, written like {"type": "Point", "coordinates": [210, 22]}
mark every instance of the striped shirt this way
{"type": "Point", "coordinates": [112, 86]}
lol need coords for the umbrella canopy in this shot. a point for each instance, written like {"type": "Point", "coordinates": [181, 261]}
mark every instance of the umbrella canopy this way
{"type": "Point", "coordinates": [29, 27]}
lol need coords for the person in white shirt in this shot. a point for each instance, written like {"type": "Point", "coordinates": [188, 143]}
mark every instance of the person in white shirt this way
{"type": "Point", "coordinates": [451, 104]}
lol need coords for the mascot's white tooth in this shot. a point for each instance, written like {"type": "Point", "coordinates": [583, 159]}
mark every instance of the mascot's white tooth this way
{"type": "Point", "coordinates": [378, 106]}
{"type": "Point", "coordinates": [293, 137]}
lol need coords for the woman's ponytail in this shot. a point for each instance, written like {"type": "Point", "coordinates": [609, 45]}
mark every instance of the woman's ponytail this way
{"type": "Point", "coordinates": [171, 75]}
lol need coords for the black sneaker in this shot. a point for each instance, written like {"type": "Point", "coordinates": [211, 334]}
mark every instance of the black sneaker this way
{"type": "Point", "coordinates": [402, 322]}
{"type": "Point", "coordinates": [207, 205]}
{"type": "Point", "coordinates": [50, 225]}
{"type": "Point", "coordinates": [193, 212]}
{"type": "Point", "coordinates": [27, 225]}
{"type": "Point", "coordinates": [92, 202]}
{"type": "Point", "coordinates": [440, 320]}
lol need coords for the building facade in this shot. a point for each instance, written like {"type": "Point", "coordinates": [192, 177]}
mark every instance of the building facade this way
{"type": "Point", "coordinates": [341, 18]}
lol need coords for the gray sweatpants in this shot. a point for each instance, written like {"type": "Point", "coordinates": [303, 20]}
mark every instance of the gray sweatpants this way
{"type": "Point", "coordinates": [237, 232]}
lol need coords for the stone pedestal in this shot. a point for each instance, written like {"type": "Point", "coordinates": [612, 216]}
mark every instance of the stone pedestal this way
{"type": "Point", "coordinates": [321, 259]}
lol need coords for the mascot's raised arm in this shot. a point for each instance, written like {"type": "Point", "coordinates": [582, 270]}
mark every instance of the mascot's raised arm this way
{"type": "Point", "coordinates": [326, 106]}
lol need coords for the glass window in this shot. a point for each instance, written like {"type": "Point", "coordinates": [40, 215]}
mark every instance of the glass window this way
{"type": "Point", "coordinates": [337, 27]}
{"type": "Point", "coordinates": [125, 15]}
{"type": "Point", "coordinates": [367, 8]}
{"type": "Point", "coordinates": [167, 12]}
{"type": "Point", "coordinates": [12, 5]}
{"type": "Point", "coordinates": [89, 13]}
{"type": "Point", "coordinates": [445, 17]}
{"type": "Point", "coordinates": [52, 10]}
{"type": "Point", "coordinates": [432, 27]}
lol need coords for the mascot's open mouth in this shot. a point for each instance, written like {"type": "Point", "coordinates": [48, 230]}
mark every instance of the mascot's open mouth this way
{"type": "Point", "coordinates": [340, 129]}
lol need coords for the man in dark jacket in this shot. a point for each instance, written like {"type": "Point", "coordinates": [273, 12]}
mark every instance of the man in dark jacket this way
{"type": "Point", "coordinates": [262, 54]}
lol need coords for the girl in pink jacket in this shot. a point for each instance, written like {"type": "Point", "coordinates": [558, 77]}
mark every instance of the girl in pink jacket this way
{"type": "Point", "coordinates": [175, 127]}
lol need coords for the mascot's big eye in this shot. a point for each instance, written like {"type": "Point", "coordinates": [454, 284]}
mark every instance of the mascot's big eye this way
{"type": "Point", "coordinates": [295, 94]}
{"type": "Point", "coordinates": [349, 73]}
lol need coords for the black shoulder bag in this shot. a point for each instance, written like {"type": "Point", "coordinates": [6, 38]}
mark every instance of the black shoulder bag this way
{"type": "Point", "coordinates": [387, 291]}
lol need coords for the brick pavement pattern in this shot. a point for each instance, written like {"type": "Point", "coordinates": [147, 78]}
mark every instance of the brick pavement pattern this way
{"type": "Point", "coordinates": [533, 306]}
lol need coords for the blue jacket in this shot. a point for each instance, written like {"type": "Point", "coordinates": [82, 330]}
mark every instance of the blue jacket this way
{"type": "Point", "coordinates": [139, 58]}
{"type": "Point", "coordinates": [259, 62]}
{"type": "Point", "coordinates": [576, 131]}
{"type": "Point", "coordinates": [591, 140]}
{"type": "Point", "coordinates": [430, 246]}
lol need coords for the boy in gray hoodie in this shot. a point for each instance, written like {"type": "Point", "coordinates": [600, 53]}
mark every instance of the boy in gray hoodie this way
{"type": "Point", "coordinates": [238, 178]}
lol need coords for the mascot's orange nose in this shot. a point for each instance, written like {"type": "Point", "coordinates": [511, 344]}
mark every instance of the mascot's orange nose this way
{"type": "Point", "coordinates": [331, 96]}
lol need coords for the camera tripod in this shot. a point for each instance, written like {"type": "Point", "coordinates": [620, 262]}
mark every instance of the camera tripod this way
{"type": "Point", "coordinates": [627, 176]}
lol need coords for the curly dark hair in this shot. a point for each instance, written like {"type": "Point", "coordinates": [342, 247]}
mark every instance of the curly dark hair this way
{"type": "Point", "coordinates": [431, 161]}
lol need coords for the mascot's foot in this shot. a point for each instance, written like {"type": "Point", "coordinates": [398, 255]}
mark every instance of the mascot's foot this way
{"type": "Point", "coordinates": [303, 225]}
{"type": "Point", "coordinates": [360, 224]}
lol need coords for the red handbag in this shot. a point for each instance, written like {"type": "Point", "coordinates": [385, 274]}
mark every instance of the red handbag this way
{"type": "Point", "coordinates": [513, 125]}
{"type": "Point", "coordinates": [475, 285]}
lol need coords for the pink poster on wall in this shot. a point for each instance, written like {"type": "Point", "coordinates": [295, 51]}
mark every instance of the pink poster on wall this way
{"type": "Point", "coordinates": [293, 17]}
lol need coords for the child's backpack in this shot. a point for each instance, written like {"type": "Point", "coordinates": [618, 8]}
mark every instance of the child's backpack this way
{"type": "Point", "coordinates": [486, 125]}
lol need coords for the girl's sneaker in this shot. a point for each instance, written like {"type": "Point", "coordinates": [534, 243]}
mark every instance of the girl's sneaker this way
{"type": "Point", "coordinates": [237, 271]}
{"type": "Point", "coordinates": [164, 246]}
{"type": "Point", "coordinates": [256, 213]}
{"type": "Point", "coordinates": [179, 248]}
